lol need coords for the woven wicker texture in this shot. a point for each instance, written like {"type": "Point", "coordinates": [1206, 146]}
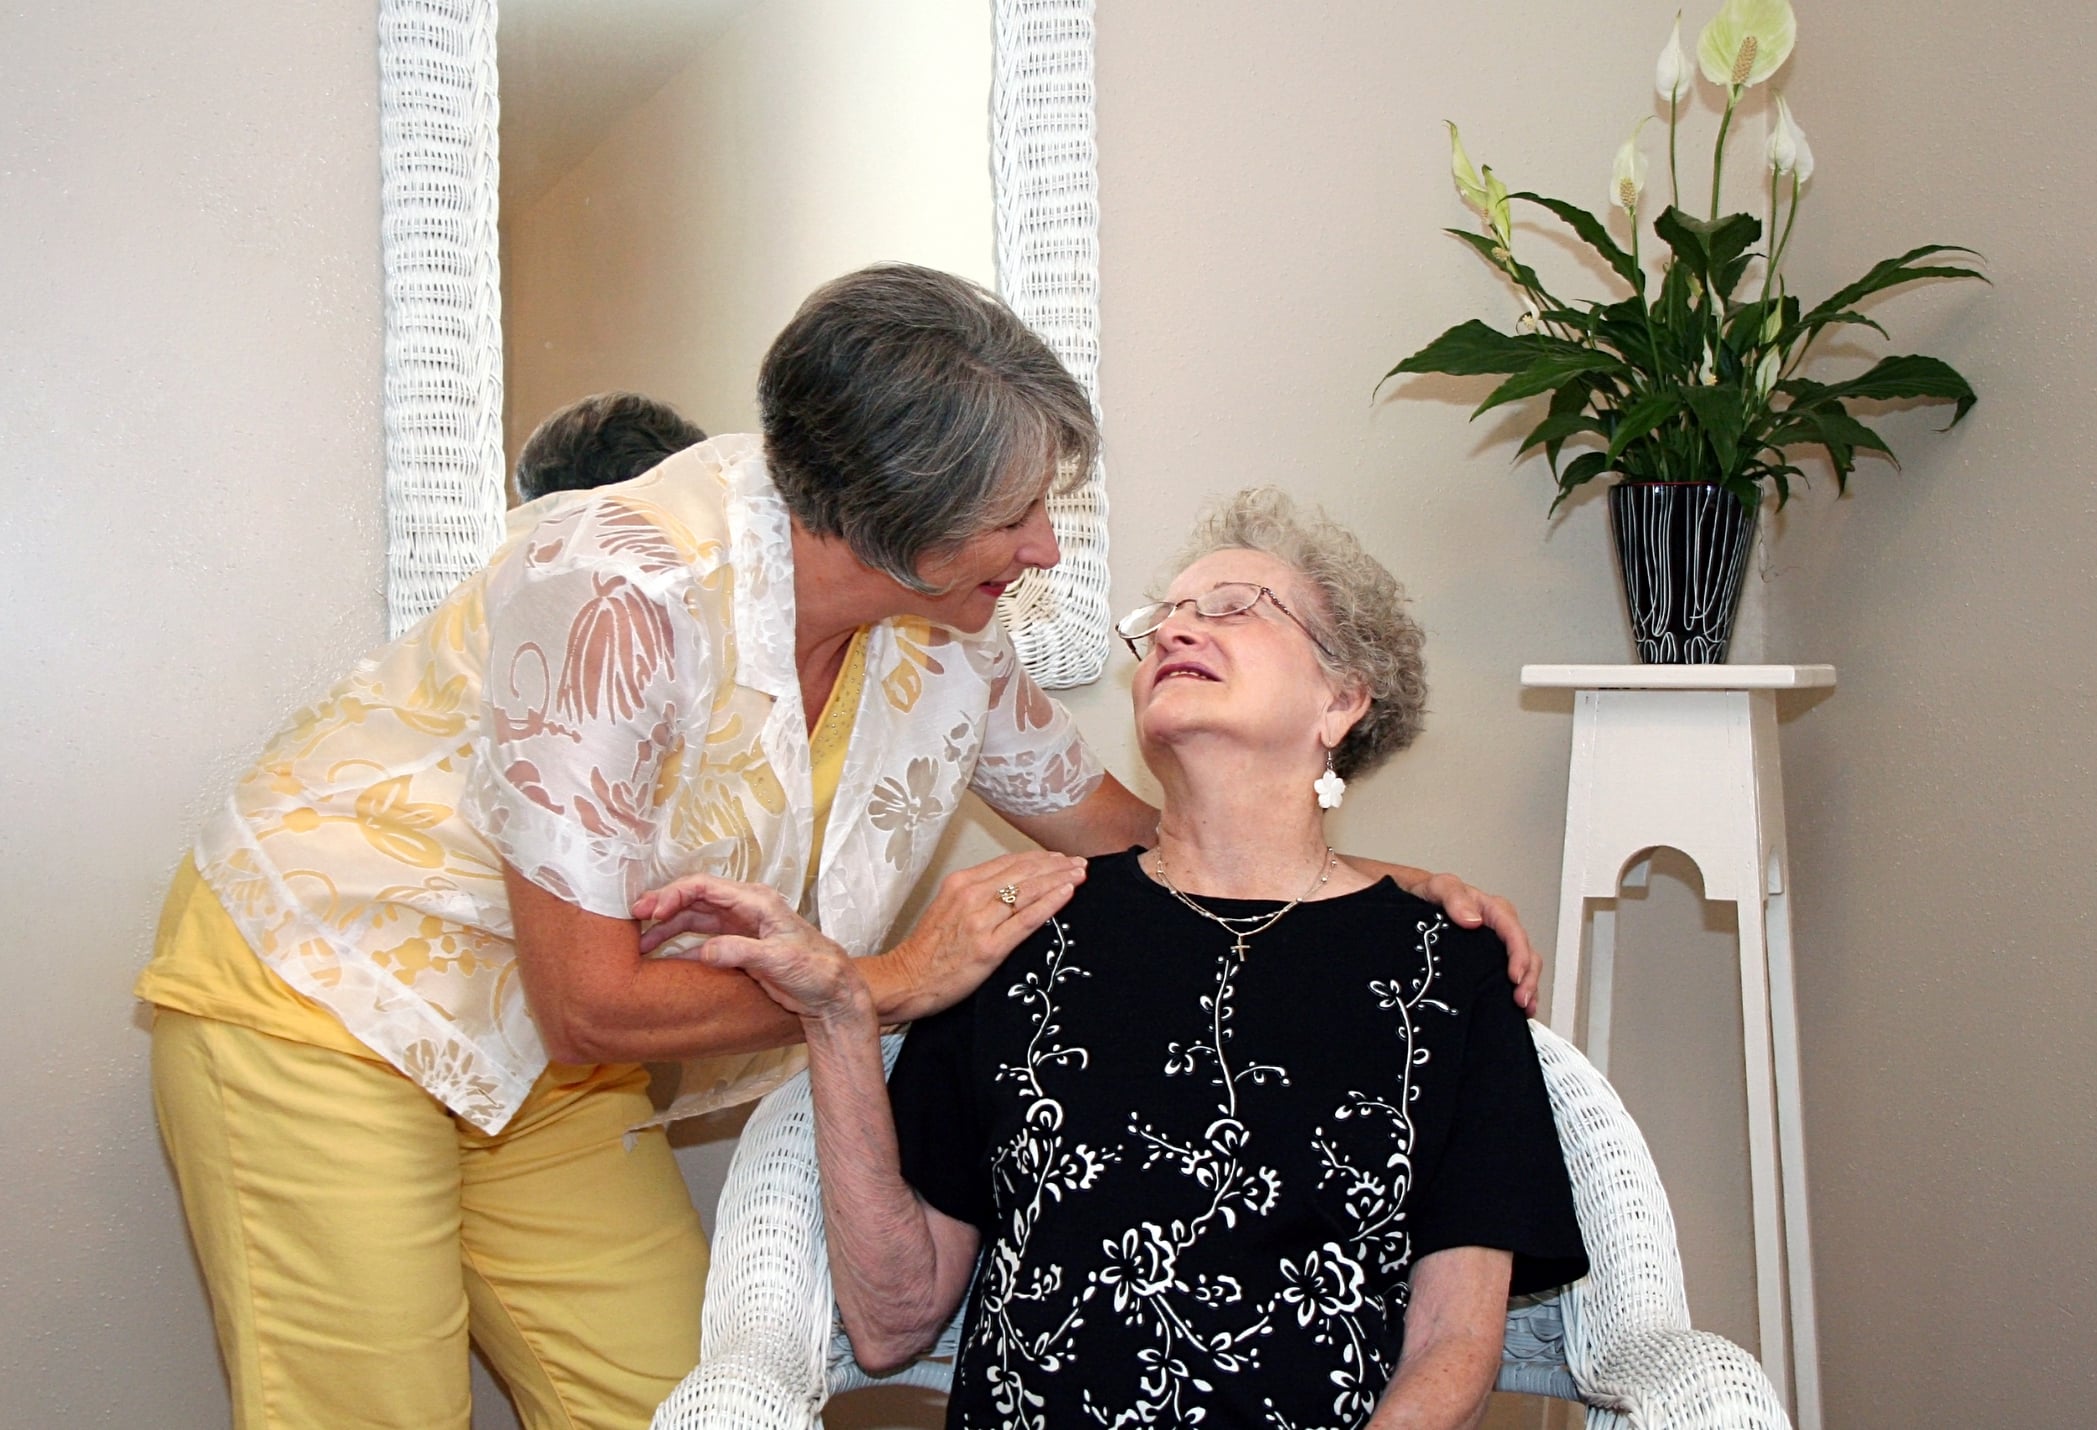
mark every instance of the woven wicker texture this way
{"type": "Point", "coordinates": [1628, 1342]}
{"type": "Point", "coordinates": [1044, 166]}
{"type": "Point", "coordinates": [437, 158]}
{"type": "Point", "coordinates": [1619, 1340]}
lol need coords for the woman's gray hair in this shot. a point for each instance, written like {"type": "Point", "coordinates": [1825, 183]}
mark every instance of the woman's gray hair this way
{"type": "Point", "coordinates": [1357, 611]}
{"type": "Point", "coordinates": [906, 410]}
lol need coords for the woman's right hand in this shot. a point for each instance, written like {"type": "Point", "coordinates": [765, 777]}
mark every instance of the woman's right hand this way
{"type": "Point", "coordinates": [751, 928]}
{"type": "Point", "coordinates": [968, 928]}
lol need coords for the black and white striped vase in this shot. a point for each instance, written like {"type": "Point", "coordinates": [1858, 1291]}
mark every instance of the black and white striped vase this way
{"type": "Point", "coordinates": [1683, 550]}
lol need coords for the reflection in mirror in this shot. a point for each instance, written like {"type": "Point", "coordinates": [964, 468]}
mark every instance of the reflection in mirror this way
{"type": "Point", "coordinates": [678, 174]}
{"type": "Point", "coordinates": [445, 461]}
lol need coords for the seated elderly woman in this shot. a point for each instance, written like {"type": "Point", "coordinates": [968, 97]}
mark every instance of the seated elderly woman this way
{"type": "Point", "coordinates": [1240, 1135]}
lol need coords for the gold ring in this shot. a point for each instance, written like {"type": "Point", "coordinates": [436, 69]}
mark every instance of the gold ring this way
{"type": "Point", "coordinates": [1008, 895]}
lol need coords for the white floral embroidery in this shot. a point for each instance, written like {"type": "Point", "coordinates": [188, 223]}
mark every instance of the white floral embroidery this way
{"type": "Point", "coordinates": [1032, 1169]}
{"type": "Point", "coordinates": [1365, 1149]}
{"type": "Point", "coordinates": [1374, 1170]}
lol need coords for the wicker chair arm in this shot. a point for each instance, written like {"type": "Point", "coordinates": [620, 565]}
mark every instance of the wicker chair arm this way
{"type": "Point", "coordinates": [1681, 1380]}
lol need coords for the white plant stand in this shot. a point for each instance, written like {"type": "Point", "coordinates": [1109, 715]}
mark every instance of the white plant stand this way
{"type": "Point", "coordinates": [1685, 756]}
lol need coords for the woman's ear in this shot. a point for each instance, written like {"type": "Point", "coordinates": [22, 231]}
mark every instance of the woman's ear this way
{"type": "Point", "coordinates": [1343, 711]}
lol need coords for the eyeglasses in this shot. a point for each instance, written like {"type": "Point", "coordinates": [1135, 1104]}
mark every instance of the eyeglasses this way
{"type": "Point", "coordinates": [1231, 598]}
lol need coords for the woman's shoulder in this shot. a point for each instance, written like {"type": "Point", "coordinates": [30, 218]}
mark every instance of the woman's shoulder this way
{"type": "Point", "coordinates": [1405, 925]}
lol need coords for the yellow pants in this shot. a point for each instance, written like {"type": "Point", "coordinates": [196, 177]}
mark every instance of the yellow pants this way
{"type": "Point", "coordinates": [353, 1234]}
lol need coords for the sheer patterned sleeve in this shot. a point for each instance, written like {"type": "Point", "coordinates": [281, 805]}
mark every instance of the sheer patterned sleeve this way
{"type": "Point", "coordinates": [590, 666]}
{"type": "Point", "coordinates": [1033, 759]}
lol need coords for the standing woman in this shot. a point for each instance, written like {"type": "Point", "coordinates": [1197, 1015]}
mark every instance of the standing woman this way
{"type": "Point", "coordinates": [401, 1000]}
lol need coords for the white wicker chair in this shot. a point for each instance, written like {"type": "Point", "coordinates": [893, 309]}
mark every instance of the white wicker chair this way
{"type": "Point", "coordinates": [1618, 1340]}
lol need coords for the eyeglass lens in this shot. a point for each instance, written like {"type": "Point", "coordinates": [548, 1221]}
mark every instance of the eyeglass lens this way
{"type": "Point", "coordinates": [1229, 599]}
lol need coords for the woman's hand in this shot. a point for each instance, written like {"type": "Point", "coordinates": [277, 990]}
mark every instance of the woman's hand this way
{"type": "Point", "coordinates": [1472, 907]}
{"type": "Point", "coordinates": [753, 930]}
{"type": "Point", "coordinates": [968, 928]}
{"type": "Point", "coordinates": [963, 934]}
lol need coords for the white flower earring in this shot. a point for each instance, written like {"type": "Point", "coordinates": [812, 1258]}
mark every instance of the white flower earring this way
{"type": "Point", "coordinates": [1330, 787]}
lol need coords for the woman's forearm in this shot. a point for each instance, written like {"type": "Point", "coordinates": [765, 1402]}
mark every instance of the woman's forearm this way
{"type": "Point", "coordinates": [1454, 1326]}
{"type": "Point", "coordinates": [597, 1000]}
{"type": "Point", "coordinates": [897, 1267]}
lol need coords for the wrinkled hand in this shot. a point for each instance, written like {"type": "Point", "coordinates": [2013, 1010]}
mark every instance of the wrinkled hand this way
{"type": "Point", "coordinates": [751, 928]}
{"type": "Point", "coordinates": [967, 929]}
{"type": "Point", "coordinates": [1472, 907]}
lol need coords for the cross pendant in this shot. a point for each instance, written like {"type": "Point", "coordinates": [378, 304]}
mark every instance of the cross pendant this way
{"type": "Point", "coordinates": [1239, 948]}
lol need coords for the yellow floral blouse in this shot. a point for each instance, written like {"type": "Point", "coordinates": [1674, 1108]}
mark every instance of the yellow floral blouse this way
{"type": "Point", "coordinates": [611, 704]}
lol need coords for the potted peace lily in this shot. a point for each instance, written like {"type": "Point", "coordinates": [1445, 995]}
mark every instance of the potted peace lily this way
{"type": "Point", "coordinates": [1688, 390]}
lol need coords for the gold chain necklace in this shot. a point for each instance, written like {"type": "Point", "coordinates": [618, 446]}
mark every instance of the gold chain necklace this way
{"type": "Point", "coordinates": [1260, 923]}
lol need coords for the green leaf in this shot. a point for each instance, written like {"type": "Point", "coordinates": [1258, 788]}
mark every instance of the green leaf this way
{"type": "Point", "coordinates": [1818, 424]}
{"type": "Point", "coordinates": [1642, 417]}
{"type": "Point", "coordinates": [1622, 326]}
{"type": "Point", "coordinates": [1911, 375]}
{"type": "Point", "coordinates": [1469, 349]}
{"type": "Point", "coordinates": [1893, 272]}
{"type": "Point", "coordinates": [1597, 237]}
{"type": "Point", "coordinates": [1796, 327]}
{"type": "Point", "coordinates": [1548, 373]}
{"type": "Point", "coordinates": [1583, 468]}
{"type": "Point", "coordinates": [1674, 317]}
{"type": "Point", "coordinates": [1569, 401]}
{"type": "Point", "coordinates": [1743, 488]}
{"type": "Point", "coordinates": [1554, 429]}
{"type": "Point", "coordinates": [1501, 259]}
{"type": "Point", "coordinates": [1720, 413]}
{"type": "Point", "coordinates": [1729, 274]}
{"type": "Point", "coordinates": [1707, 248]}
{"type": "Point", "coordinates": [1780, 475]}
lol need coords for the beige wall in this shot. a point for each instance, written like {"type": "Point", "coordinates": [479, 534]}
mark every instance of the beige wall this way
{"type": "Point", "coordinates": [189, 357]}
{"type": "Point", "coordinates": [812, 137]}
{"type": "Point", "coordinates": [1943, 801]}
{"type": "Point", "coordinates": [190, 436]}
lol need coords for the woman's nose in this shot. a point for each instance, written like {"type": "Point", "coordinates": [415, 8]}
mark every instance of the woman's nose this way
{"type": "Point", "coordinates": [1037, 546]}
{"type": "Point", "coordinates": [1180, 626]}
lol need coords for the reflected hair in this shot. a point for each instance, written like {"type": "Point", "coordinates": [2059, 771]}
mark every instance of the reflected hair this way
{"type": "Point", "coordinates": [608, 437]}
{"type": "Point", "coordinates": [906, 410]}
{"type": "Point", "coordinates": [1357, 610]}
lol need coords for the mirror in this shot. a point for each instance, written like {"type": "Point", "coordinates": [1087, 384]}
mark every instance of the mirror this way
{"type": "Point", "coordinates": [677, 176]}
{"type": "Point", "coordinates": [673, 177]}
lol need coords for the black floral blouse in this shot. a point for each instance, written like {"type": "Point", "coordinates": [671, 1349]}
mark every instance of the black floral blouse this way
{"type": "Point", "coordinates": [1201, 1181]}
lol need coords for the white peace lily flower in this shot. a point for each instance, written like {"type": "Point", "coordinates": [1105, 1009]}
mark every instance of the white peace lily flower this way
{"type": "Point", "coordinates": [1747, 41]}
{"type": "Point", "coordinates": [1627, 179]}
{"type": "Point", "coordinates": [1789, 153]}
{"type": "Point", "coordinates": [1766, 372]}
{"type": "Point", "coordinates": [1498, 212]}
{"type": "Point", "coordinates": [1673, 70]}
{"type": "Point", "coordinates": [1467, 181]}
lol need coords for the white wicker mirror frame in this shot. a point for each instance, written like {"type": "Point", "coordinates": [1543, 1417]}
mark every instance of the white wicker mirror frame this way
{"type": "Point", "coordinates": [443, 297]}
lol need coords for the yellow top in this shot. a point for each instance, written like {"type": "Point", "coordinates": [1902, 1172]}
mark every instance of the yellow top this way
{"type": "Point", "coordinates": [827, 742]}
{"type": "Point", "coordinates": [202, 966]}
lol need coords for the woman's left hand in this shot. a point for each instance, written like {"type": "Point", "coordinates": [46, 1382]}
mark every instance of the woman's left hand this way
{"type": "Point", "coordinates": [752, 929]}
{"type": "Point", "coordinates": [1472, 907]}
